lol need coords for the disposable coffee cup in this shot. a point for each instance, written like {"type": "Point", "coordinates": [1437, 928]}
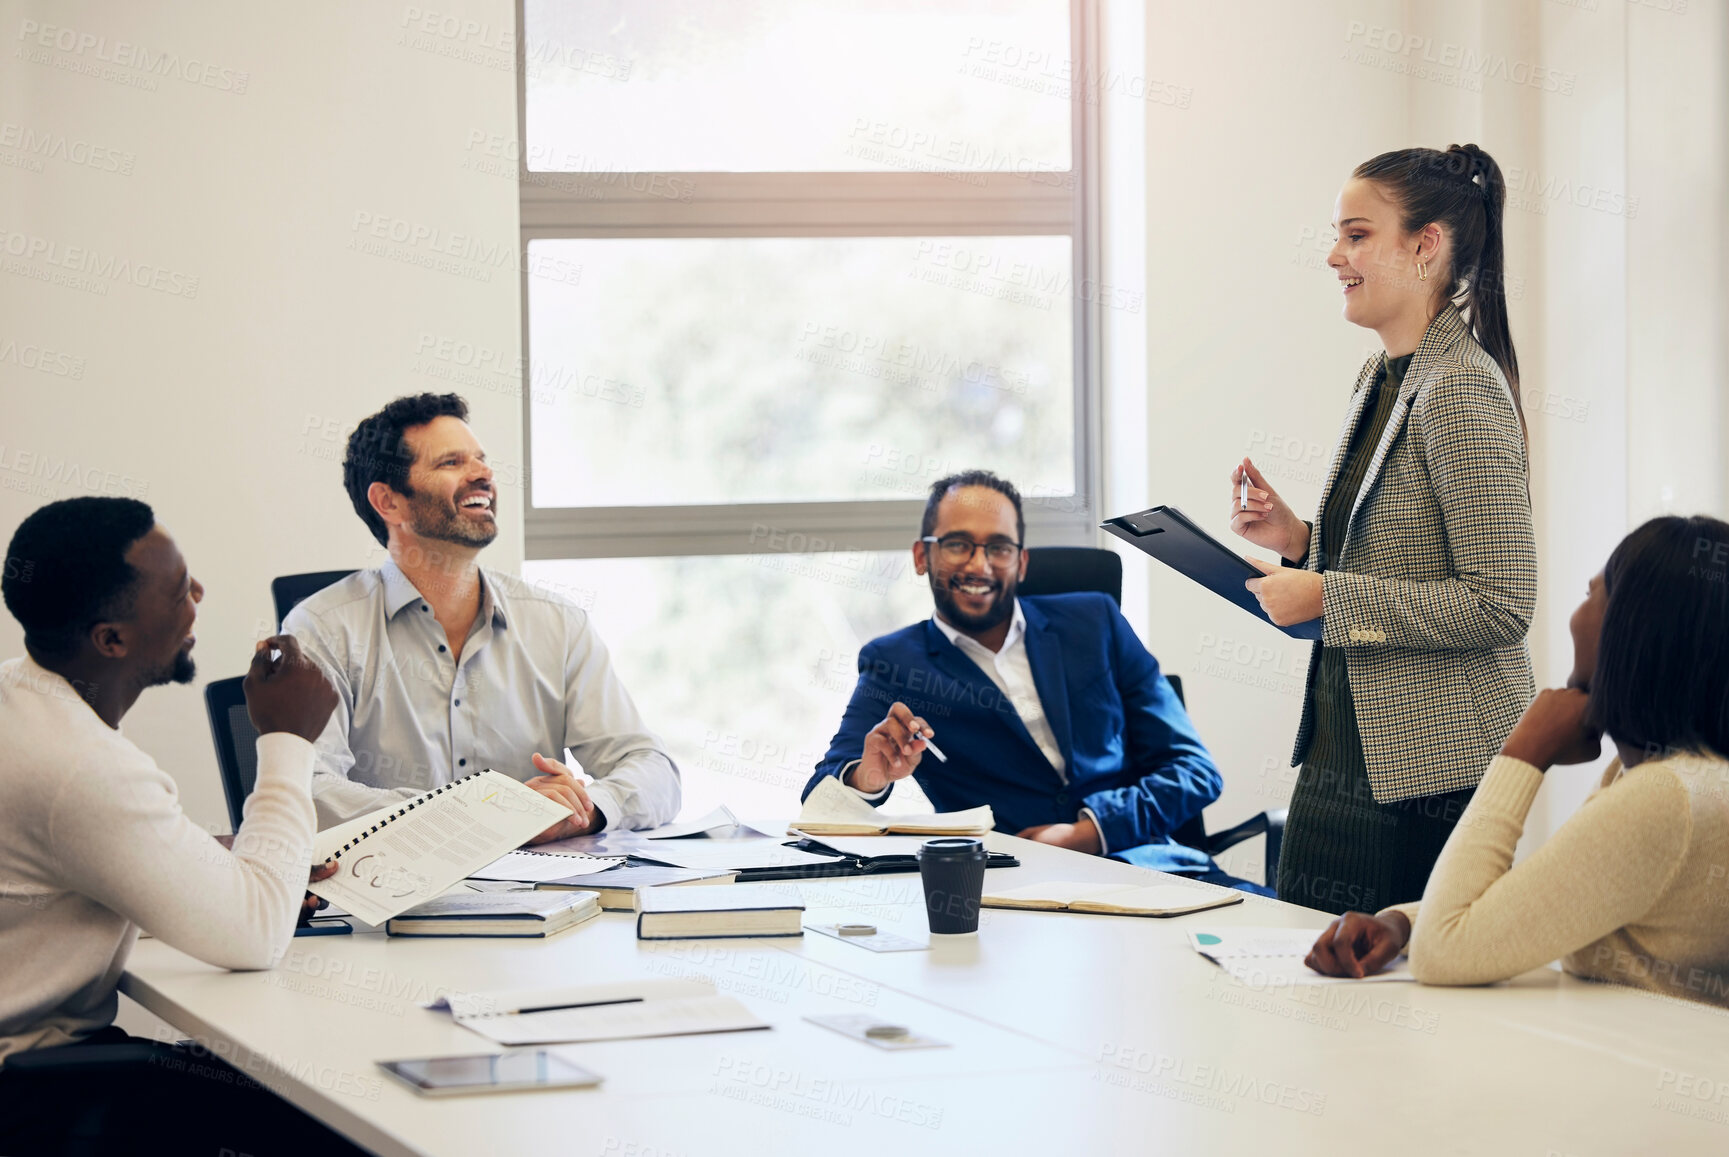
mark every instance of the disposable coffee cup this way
{"type": "Point", "coordinates": [953, 872]}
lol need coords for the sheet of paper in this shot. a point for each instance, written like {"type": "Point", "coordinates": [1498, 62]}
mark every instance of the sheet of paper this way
{"type": "Point", "coordinates": [1289, 971]}
{"type": "Point", "coordinates": [608, 843]}
{"type": "Point", "coordinates": [1253, 941]}
{"type": "Point", "coordinates": [684, 1016]}
{"type": "Point", "coordinates": [496, 1001]}
{"type": "Point", "coordinates": [720, 823]}
{"type": "Point", "coordinates": [532, 867]}
{"type": "Point", "coordinates": [423, 852]}
{"type": "Point", "coordinates": [877, 942]}
{"type": "Point", "coordinates": [1264, 957]}
{"type": "Point", "coordinates": [725, 855]}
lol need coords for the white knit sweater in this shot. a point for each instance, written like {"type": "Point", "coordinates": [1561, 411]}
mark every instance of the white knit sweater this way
{"type": "Point", "coordinates": [93, 846]}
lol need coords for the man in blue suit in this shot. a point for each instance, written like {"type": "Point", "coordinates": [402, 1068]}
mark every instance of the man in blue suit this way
{"type": "Point", "coordinates": [1048, 708]}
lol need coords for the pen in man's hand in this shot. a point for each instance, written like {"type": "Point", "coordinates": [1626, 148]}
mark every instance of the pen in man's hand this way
{"type": "Point", "coordinates": [1243, 501]}
{"type": "Point", "coordinates": [933, 748]}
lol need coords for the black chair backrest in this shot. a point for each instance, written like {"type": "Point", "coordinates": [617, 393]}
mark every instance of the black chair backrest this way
{"type": "Point", "coordinates": [236, 741]}
{"type": "Point", "coordinates": [291, 588]}
{"type": "Point", "coordinates": [1061, 570]}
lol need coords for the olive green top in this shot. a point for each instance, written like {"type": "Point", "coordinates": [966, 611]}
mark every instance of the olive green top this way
{"type": "Point", "coordinates": [1343, 849]}
{"type": "Point", "coordinates": [1336, 518]}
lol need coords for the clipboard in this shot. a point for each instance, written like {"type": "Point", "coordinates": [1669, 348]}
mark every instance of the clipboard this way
{"type": "Point", "coordinates": [851, 865]}
{"type": "Point", "coordinates": [1168, 535]}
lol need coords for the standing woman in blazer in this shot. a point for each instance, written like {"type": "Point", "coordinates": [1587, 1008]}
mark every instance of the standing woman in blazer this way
{"type": "Point", "coordinates": [1421, 561]}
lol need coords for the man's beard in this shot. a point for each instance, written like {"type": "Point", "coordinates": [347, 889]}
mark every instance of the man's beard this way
{"type": "Point", "coordinates": [181, 670]}
{"type": "Point", "coordinates": [439, 520]}
{"type": "Point", "coordinates": [1002, 609]}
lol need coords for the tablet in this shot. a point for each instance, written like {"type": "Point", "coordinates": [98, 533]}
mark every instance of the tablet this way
{"type": "Point", "coordinates": [513, 1069]}
{"type": "Point", "coordinates": [1170, 536]}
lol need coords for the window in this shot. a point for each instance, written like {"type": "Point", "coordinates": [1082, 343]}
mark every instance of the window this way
{"type": "Point", "coordinates": [814, 254]}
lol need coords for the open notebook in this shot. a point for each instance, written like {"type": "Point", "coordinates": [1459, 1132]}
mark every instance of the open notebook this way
{"type": "Point", "coordinates": [833, 809]}
{"type": "Point", "coordinates": [399, 856]}
{"type": "Point", "coordinates": [1113, 899]}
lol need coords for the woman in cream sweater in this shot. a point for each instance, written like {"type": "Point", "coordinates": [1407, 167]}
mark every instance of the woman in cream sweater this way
{"type": "Point", "coordinates": [1633, 888]}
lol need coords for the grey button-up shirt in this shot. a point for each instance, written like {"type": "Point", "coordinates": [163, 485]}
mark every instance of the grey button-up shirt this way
{"type": "Point", "coordinates": [533, 676]}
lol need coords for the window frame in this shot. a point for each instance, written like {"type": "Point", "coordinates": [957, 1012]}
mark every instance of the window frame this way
{"type": "Point", "coordinates": [870, 204]}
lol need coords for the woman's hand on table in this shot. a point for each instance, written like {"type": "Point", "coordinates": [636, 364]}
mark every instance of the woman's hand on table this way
{"type": "Point", "coordinates": [1358, 944]}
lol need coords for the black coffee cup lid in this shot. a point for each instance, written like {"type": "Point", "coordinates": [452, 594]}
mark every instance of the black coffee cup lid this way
{"type": "Point", "coordinates": [952, 845]}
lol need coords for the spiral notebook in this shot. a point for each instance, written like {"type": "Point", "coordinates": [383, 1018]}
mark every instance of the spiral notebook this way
{"type": "Point", "coordinates": [528, 866]}
{"type": "Point", "coordinates": [399, 856]}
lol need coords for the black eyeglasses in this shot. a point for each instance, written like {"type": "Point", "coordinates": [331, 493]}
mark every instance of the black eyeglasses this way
{"type": "Point", "coordinates": [958, 549]}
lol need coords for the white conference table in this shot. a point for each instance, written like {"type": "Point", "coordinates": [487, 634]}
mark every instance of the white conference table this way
{"type": "Point", "coordinates": [1070, 1033]}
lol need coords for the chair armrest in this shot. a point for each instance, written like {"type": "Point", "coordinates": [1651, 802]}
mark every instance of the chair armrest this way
{"type": "Point", "coordinates": [1270, 823]}
{"type": "Point", "coordinates": [90, 1059]}
{"type": "Point", "coordinates": [1247, 830]}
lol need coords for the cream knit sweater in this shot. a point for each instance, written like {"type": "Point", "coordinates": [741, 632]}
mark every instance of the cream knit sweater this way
{"type": "Point", "coordinates": [93, 845]}
{"type": "Point", "coordinates": [1633, 888]}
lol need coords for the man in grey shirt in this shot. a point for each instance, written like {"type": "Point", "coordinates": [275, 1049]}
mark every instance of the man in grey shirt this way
{"type": "Point", "coordinates": [444, 667]}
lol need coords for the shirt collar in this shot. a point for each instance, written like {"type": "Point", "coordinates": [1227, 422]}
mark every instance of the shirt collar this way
{"type": "Point", "coordinates": [400, 592]}
{"type": "Point", "coordinates": [1017, 628]}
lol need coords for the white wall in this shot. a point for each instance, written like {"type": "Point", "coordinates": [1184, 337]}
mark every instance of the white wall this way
{"type": "Point", "coordinates": [226, 409]}
{"type": "Point", "coordinates": [1617, 232]}
{"type": "Point", "coordinates": [246, 162]}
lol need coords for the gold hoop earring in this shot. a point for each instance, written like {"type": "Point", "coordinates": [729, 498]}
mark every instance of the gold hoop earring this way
{"type": "Point", "coordinates": [1422, 271]}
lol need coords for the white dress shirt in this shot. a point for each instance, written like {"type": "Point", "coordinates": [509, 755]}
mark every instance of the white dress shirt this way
{"type": "Point", "coordinates": [1012, 673]}
{"type": "Point", "coordinates": [533, 676]}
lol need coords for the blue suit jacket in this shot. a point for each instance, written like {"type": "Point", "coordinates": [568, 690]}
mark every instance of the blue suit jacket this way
{"type": "Point", "coordinates": [1133, 756]}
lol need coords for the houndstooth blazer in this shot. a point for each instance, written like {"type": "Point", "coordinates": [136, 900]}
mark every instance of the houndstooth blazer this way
{"type": "Point", "coordinates": [1436, 581]}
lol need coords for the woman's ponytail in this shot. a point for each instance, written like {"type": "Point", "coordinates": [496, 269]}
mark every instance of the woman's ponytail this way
{"type": "Point", "coordinates": [1485, 292]}
{"type": "Point", "coordinates": [1462, 189]}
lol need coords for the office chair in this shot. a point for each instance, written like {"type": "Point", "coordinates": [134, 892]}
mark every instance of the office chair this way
{"type": "Point", "coordinates": [1058, 570]}
{"type": "Point", "coordinates": [237, 755]}
{"type": "Point", "coordinates": [1062, 570]}
{"type": "Point", "coordinates": [236, 741]}
{"type": "Point", "coordinates": [1270, 823]}
{"type": "Point", "coordinates": [292, 588]}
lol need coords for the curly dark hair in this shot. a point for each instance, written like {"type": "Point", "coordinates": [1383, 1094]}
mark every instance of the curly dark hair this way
{"type": "Point", "coordinates": [377, 453]}
{"type": "Point", "coordinates": [66, 570]}
{"type": "Point", "coordinates": [984, 478]}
